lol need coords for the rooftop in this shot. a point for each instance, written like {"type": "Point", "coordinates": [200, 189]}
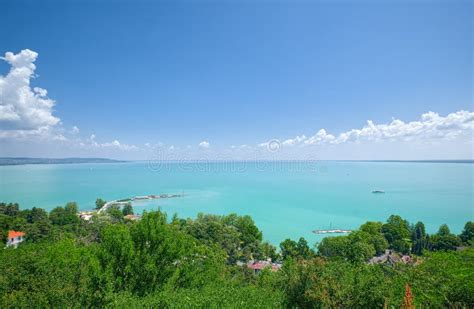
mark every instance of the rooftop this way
{"type": "Point", "coordinates": [13, 234]}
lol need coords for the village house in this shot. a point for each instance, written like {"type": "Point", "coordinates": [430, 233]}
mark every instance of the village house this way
{"type": "Point", "coordinates": [15, 238]}
{"type": "Point", "coordinates": [390, 257]}
{"type": "Point", "coordinates": [132, 217]}
{"type": "Point", "coordinates": [258, 266]}
{"type": "Point", "coordinates": [86, 215]}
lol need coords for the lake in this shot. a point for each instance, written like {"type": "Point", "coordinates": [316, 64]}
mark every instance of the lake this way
{"type": "Point", "coordinates": [286, 199]}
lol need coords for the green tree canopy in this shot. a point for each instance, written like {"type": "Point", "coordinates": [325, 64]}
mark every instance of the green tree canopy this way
{"type": "Point", "coordinates": [419, 239]}
{"type": "Point", "coordinates": [397, 232]}
{"type": "Point", "coordinates": [64, 215]}
{"type": "Point", "coordinates": [127, 209]}
{"type": "Point", "coordinates": [467, 235]}
{"type": "Point", "coordinates": [444, 240]}
{"type": "Point", "coordinates": [99, 203]}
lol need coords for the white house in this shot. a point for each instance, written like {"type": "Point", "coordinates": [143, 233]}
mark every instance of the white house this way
{"type": "Point", "coordinates": [14, 238]}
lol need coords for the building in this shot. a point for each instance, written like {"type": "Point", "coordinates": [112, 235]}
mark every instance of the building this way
{"type": "Point", "coordinates": [132, 217]}
{"type": "Point", "coordinates": [390, 257]}
{"type": "Point", "coordinates": [86, 215]}
{"type": "Point", "coordinates": [258, 266]}
{"type": "Point", "coordinates": [14, 238]}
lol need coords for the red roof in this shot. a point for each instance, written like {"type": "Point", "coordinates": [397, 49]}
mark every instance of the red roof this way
{"type": "Point", "coordinates": [257, 266]}
{"type": "Point", "coordinates": [13, 234]}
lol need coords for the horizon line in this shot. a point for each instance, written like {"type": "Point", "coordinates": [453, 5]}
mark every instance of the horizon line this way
{"type": "Point", "coordinates": [242, 160]}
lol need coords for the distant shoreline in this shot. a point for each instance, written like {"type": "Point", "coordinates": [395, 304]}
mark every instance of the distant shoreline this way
{"type": "Point", "coordinates": [5, 161]}
{"type": "Point", "coordinates": [25, 161]}
{"type": "Point", "coordinates": [470, 161]}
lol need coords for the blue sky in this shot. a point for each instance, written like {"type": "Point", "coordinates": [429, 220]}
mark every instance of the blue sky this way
{"type": "Point", "coordinates": [232, 73]}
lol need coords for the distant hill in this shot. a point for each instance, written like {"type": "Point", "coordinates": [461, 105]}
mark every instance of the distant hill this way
{"type": "Point", "coordinates": [22, 160]}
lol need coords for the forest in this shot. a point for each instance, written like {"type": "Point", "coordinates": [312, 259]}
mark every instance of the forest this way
{"type": "Point", "coordinates": [112, 260]}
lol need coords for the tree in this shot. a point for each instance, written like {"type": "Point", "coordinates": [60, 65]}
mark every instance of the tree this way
{"type": "Point", "coordinates": [115, 213]}
{"type": "Point", "coordinates": [380, 243]}
{"type": "Point", "coordinates": [99, 203]}
{"type": "Point", "coordinates": [167, 257]}
{"type": "Point", "coordinates": [10, 209]}
{"type": "Point", "coordinates": [334, 246]}
{"type": "Point", "coordinates": [64, 215]}
{"type": "Point", "coordinates": [444, 230]}
{"type": "Point", "coordinates": [288, 249]}
{"type": "Point", "coordinates": [304, 252]}
{"type": "Point", "coordinates": [47, 274]}
{"type": "Point", "coordinates": [211, 230]}
{"type": "Point", "coordinates": [444, 240]}
{"type": "Point", "coordinates": [237, 235]}
{"type": "Point", "coordinates": [268, 251]}
{"type": "Point", "coordinates": [250, 235]}
{"type": "Point", "coordinates": [419, 239]}
{"type": "Point", "coordinates": [397, 232]}
{"type": "Point", "coordinates": [35, 215]}
{"type": "Point", "coordinates": [127, 209]}
{"type": "Point", "coordinates": [295, 250]}
{"type": "Point", "coordinates": [358, 246]}
{"type": "Point", "coordinates": [372, 228]}
{"type": "Point", "coordinates": [467, 235]}
{"type": "Point", "coordinates": [38, 231]}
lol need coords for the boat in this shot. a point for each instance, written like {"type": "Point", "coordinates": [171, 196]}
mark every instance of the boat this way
{"type": "Point", "coordinates": [378, 191]}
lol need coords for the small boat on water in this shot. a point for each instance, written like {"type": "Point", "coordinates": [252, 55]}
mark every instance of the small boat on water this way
{"type": "Point", "coordinates": [378, 191]}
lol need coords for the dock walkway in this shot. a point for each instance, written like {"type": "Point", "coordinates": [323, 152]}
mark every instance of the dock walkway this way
{"type": "Point", "coordinates": [136, 198]}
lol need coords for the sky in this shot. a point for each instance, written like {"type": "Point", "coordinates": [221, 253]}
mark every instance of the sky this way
{"type": "Point", "coordinates": [237, 79]}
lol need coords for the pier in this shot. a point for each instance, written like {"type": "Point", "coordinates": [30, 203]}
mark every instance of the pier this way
{"type": "Point", "coordinates": [334, 231]}
{"type": "Point", "coordinates": [137, 198]}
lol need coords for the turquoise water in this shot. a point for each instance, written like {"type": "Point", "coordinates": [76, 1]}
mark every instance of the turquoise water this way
{"type": "Point", "coordinates": [286, 200]}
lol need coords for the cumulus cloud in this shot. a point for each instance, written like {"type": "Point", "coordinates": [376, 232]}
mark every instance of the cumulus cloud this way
{"type": "Point", "coordinates": [320, 138]}
{"type": "Point", "coordinates": [26, 113]}
{"type": "Point", "coordinates": [204, 145]}
{"type": "Point", "coordinates": [118, 145]}
{"type": "Point", "coordinates": [92, 143]}
{"type": "Point", "coordinates": [41, 134]}
{"type": "Point", "coordinates": [431, 126]}
{"type": "Point", "coordinates": [294, 141]}
{"type": "Point", "coordinates": [21, 107]}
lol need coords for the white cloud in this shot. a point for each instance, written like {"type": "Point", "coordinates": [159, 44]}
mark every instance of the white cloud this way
{"type": "Point", "coordinates": [430, 127]}
{"type": "Point", "coordinates": [92, 143]}
{"type": "Point", "coordinates": [204, 145]}
{"type": "Point", "coordinates": [42, 134]}
{"type": "Point", "coordinates": [320, 138]}
{"type": "Point", "coordinates": [294, 141]}
{"type": "Point", "coordinates": [23, 108]}
{"type": "Point", "coordinates": [26, 114]}
{"type": "Point", "coordinates": [116, 144]}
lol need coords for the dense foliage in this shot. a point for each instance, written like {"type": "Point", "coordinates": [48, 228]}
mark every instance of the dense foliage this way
{"type": "Point", "coordinates": [174, 263]}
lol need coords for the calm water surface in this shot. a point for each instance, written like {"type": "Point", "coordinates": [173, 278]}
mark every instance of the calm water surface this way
{"type": "Point", "coordinates": [286, 200]}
